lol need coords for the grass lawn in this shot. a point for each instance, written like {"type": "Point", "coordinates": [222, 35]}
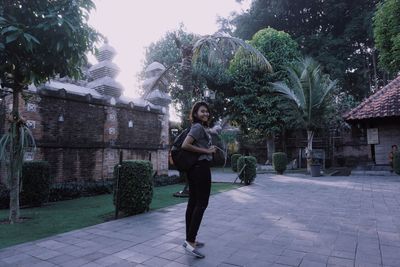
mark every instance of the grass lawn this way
{"type": "Point", "coordinates": [64, 216]}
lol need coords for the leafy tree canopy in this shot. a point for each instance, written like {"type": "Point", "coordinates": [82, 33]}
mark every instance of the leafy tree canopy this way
{"type": "Point", "coordinates": [337, 33]}
{"type": "Point", "coordinates": [204, 75]}
{"type": "Point", "coordinates": [252, 104]}
{"type": "Point", "coordinates": [40, 39]}
{"type": "Point", "coordinates": [387, 35]}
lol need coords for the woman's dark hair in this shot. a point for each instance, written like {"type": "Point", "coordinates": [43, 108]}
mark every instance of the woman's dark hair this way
{"type": "Point", "coordinates": [194, 111]}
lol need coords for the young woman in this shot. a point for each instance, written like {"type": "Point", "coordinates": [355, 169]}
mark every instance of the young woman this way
{"type": "Point", "coordinates": [198, 140]}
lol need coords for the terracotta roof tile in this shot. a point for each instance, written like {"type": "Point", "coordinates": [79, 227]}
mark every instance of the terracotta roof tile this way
{"type": "Point", "coordinates": [384, 103]}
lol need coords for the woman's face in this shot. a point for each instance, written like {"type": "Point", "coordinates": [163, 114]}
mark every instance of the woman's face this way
{"type": "Point", "coordinates": [203, 114]}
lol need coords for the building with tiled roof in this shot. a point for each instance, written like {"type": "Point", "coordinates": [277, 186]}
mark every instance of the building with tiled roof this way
{"type": "Point", "coordinates": [377, 119]}
{"type": "Point", "coordinates": [383, 104]}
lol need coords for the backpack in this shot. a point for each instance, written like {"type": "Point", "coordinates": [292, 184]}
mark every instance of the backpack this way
{"type": "Point", "coordinates": [182, 159]}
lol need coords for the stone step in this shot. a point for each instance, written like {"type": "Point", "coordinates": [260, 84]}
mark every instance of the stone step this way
{"type": "Point", "coordinates": [372, 173]}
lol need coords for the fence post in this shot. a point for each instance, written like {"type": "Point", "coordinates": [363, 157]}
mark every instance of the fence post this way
{"type": "Point", "coordinates": [117, 186]}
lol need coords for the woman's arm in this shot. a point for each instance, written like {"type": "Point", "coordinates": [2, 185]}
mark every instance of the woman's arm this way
{"type": "Point", "coordinates": [188, 145]}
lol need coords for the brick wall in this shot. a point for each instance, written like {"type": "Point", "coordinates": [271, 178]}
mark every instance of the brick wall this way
{"type": "Point", "coordinates": [81, 137]}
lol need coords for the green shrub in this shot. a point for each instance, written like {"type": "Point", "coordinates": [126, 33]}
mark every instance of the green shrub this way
{"type": "Point", "coordinates": [234, 160]}
{"type": "Point", "coordinates": [36, 182]}
{"type": "Point", "coordinates": [4, 196]}
{"type": "Point", "coordinates": [279, 160]}
{"type": "Point", "coordinates": [163, 180]}
{"type": "Point", "coordinates": [249, 173]}
{"type": "Point", "coordinates": [74, 189]}
{"type": "Point", "coordinates": [135, 187]}
{"type": "Point", "coordinates": [396, 162]}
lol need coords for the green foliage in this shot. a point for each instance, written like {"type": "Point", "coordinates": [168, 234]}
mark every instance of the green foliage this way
{"type": "Point", "coordinates": [36, 182]}
{"type": "Point", "coordinates": [249, 172]}
{"type": "Point", "coordinates": [4, 196]}
{"type": "Point", "coordinates": [279, 160]}
{"type": "Point", "coordinates": [167, 52]}
{"type": "Point", "coordinates": [396, 162]}
{"type": "Point", "coordinates": [333, 119]}
{"type": "Point", "coordinates": [308, 87]}
{"type": "Point", "coordinates": [203, 64]}
{"type": "Point", "coordinates": [75, 189]}
{"type": "Point", "coordinates": [40, 39]}
{"type": "Point", "coordinates": [135, 188]}
{"type": "Point", "coordinates": [252, 105]}
{"type": "Point", "coordinates": [26, 142]}
{"type": "Point", "coordinates": [336, 33]}
{"type": "Point", "coordinates": [387, 35]}
{"type": "Point", "coordinates": [234, 162]}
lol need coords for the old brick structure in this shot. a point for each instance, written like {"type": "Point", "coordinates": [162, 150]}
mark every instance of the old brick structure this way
{"type": "Point", "coordinates": [81, 126]}
{"type": "Point", "coordinates": [375, 125]}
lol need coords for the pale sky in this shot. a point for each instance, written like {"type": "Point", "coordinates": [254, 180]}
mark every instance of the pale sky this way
{"type": "Point", "coordinates": [131, 25]}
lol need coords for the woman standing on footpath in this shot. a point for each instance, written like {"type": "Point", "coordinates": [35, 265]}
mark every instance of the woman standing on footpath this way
{"type": "Point", "coordinates": [198, 140]}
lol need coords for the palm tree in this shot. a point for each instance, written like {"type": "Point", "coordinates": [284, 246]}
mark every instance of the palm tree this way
{"type": "Point", "coordinates": [308, 87]}
{"type": "Point", "coordinates": [216, 49]}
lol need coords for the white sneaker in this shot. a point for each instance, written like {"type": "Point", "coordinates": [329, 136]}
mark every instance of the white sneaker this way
{"type": "Point", "coordinates": [192, 250]}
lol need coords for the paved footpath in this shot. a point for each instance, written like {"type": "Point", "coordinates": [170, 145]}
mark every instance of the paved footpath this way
{"type": "Point", "coordinates": [278, 221]}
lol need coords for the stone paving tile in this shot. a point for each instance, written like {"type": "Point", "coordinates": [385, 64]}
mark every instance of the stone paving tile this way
{"type": "Point", "coordinates": [61, 259]}
{"type": "Point", "coordinates": [334, 261]}
{"type": "Point", "coordinates": [307, 263]}
{"type": "Point", "coordinates": [137, 257]}
{"type": "Point", "coordinates": [107, 260]}
{"type": "Point", "coordinates": [281, 220]}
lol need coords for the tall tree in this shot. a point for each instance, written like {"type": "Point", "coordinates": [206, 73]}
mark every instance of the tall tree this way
{"type": "Point", "coordinates": [387, 35]}
{"type": "Point", "coordinates": [203, 62]}
{"type": "Point", "coordinates": [308, 87]}
{"type": "Point", "coordinates": [38, 40]}
{"type": "Point", "coordinates": [336, 33]}
{"type": "Point", "coordinates": [252, 103]}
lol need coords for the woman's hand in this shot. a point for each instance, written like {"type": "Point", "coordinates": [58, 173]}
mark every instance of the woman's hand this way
{"type": "Point", "coordinates": [212, 150]}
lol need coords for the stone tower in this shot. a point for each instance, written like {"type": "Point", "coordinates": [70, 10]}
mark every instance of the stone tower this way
{"type": "Point", "coordinates": [104, 72]}
{"type": "Point", "coordinates": [156, 93]}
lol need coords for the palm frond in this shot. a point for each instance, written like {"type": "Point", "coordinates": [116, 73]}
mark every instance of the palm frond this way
{"type": "Point", "coordinates": [331, 85]}
{"type": "Point", "coordinates": [220, 43]}
{"type": "Point", "coordinates": [159, 79]}
{"type": "Point", "coordinates": [281, 87]}
{"type": "Point", "coordinates": [297, 85]}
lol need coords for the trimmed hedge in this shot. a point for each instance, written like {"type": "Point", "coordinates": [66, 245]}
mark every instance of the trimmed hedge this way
{"type": "Point", "coordinates": [74, 189]}
{"type": "Point", "coordinates": [4, 196]}
{"type": "Point", "coordinates": [135, 187]}
{"type": "Point", "coordinates": [234, 160]}
{"type": "Point", "coordinates": [279, 160]}
{"type": "Point", "coordinates": [250, 171]}
{"type": "Point", "coordinates": [163, 180]}
{"type": "Point", "coordinates": [396, 162]}
{"type": "Point", "coordinates": [36, 182]}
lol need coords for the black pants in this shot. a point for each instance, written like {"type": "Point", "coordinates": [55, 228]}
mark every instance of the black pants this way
{"type": "Point", "coordinates": [199, 177]}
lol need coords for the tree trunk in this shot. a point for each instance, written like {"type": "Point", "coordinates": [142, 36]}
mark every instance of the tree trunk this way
{"type": "Point", "coordinates": [14, 159]}
{"type": "Point", "coordinates": [270, 147]}
{"type": "Point", "coordinates": [309, 156]}
{"type": "Point", "coordinates": [187, 70]}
